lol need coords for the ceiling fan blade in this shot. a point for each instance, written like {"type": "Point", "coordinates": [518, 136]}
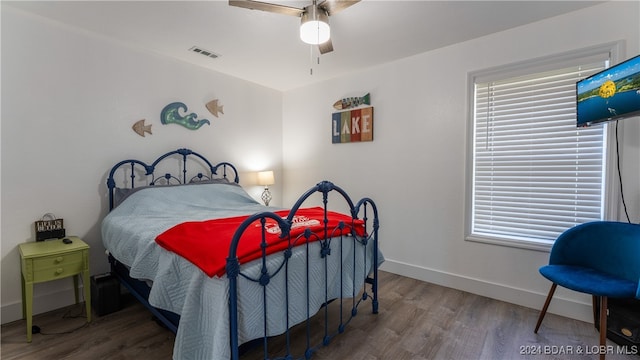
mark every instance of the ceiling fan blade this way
{"type": "Point", "coordinates": [334, 6]}
{"type": "Point", "coordinates": [325, 47]}
{"type": "Point", "coordinates": [274, 8]}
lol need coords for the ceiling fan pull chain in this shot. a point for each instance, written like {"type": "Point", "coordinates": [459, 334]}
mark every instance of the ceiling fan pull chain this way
{"type": "Point", "coordinates": [311, 60]}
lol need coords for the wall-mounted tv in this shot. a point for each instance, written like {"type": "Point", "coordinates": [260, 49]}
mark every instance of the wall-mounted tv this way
{"type": "Point", "coordinates": [611, 94]}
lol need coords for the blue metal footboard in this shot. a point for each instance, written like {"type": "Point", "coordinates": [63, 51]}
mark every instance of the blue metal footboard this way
{"type": "Point", "coordinates": [234, 270]}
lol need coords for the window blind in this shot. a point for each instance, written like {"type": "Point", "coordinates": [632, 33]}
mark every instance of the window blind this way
{"type": "Point", "coordinates": [534, 173]}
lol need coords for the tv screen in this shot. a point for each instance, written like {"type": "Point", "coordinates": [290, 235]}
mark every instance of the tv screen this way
{"type": "Point", "coordinates": [611, 94]}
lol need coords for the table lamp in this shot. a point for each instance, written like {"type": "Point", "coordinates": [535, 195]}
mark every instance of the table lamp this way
{"type": "Point", "coordinates": [266, 178]}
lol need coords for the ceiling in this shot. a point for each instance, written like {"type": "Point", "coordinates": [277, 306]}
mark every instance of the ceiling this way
{"type": "Point", "coordinates": [264, 48]}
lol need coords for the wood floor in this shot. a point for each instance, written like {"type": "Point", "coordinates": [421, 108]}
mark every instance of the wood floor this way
{"type": "Point", "coordinates": [417, 321]}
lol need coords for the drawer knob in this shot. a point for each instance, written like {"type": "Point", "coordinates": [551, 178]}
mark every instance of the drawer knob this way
{"type": "Point", "coordinates": [59, 259]}
{"type": "Point", "coordinates": [59, 271]}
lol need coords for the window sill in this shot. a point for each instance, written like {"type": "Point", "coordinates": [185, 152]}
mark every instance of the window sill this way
{"type": "Point", "coordinates": [537, 245]}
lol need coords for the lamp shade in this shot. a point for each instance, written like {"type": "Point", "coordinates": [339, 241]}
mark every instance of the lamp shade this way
{"type": "Point", "coordinates": [314, 28]}
{"type": "Point", "coordinates": [265, 178]}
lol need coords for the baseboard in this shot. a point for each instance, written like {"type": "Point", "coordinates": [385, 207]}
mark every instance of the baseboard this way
{"type": "Point", "coordinates": [560, 306]}
{"type": "Point", "coordinates": [523, 297]}
{"type": "Point", "coordinates": [41, 303]}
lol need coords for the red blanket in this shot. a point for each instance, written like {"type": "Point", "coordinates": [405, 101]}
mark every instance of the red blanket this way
{"type": "Point", "coordinates": [206, 243]}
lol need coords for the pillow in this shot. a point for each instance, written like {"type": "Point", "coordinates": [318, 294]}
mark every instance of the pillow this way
{"type": "Point", "coordinates": [197, 180]}
{"type": "Point", "coordinates": [120, 194]}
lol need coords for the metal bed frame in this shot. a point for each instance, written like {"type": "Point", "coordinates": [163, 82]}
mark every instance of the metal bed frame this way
{"type": "Point", "coordinates": [138, 170]}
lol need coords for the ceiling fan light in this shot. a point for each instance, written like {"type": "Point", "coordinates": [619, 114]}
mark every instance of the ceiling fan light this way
{"type": "Point", "coordinates": [314, 28]}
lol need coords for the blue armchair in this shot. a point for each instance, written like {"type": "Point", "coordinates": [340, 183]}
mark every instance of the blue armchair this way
{"type": "Point", "coordinates": [601, 258]}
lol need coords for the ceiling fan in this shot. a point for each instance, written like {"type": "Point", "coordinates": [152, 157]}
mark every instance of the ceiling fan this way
{"type": "Point", "coordinates": [314, 27]}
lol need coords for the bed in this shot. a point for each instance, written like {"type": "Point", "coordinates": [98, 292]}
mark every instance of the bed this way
{"type": "Point", "coordinates": [223, 271]}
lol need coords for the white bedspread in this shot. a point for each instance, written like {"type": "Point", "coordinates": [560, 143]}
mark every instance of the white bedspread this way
{"type": "Point", "coordinates": [129, 233]}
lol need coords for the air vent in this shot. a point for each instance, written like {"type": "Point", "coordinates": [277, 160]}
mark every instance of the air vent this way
{"type": "Point", "coordinates": [204, 52]}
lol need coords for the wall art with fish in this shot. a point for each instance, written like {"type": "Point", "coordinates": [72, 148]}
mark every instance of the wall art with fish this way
{"type": "Point", "coordinates": [352, 102]}
{"type": "Point", "coordinates": [214, 107]}
{"type": "Point", "coordinates": [171, 115]}
{"type": "Point", "coordinates": [139, 127]}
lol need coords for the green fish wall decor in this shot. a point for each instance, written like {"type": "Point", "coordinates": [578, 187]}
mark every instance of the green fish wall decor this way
{"type": "Point", "coordinates": [171, 115]}
{"type": "Point", "coordinates": [350, 102]}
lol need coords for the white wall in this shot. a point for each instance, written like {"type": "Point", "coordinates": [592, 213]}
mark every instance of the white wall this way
{"type": "Point", "coordinates": [415, 167]}
{"type": "Point", "coordinates": [69, 100]}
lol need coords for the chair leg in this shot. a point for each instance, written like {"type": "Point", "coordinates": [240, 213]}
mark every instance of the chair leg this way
{"type": "Point", "coordinates": [603, 326]}
{"type": "Point", "coordinates": [594, 300]}
{"type": "Point", "coordinates": [545, 307]}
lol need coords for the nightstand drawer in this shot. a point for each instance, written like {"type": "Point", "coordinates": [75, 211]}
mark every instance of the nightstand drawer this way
{"type": "Point", "coordinates": [57, 272]}
{"type": "Point", "coordinates": [57, 260]}
{"type": "Point", "coordinates": [57, 266]}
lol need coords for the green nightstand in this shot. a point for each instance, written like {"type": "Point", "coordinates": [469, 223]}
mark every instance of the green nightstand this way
{"type": "Point", "coordinates": [51, 260]}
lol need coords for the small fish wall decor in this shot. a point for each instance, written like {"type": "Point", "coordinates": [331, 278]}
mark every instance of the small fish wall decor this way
{"type": "Point", "coordinates": [352, 102]}
{"type": "Point", "coordinates": [171, 115]}
{"type": "Point", "coordinates": [140, 128]}
{"type": "Point", "coordinates": [214, 108]}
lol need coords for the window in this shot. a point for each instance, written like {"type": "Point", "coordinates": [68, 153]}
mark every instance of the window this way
{"type": "Point", "coordinates": [534, 173]}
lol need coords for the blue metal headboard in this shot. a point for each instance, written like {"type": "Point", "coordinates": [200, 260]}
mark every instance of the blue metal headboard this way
{"type": "Point", "coordinates": [153, 178]}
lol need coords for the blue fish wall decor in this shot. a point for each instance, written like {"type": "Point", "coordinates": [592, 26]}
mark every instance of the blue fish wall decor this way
{"type": "Point", "coordinates": [171, 115]}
